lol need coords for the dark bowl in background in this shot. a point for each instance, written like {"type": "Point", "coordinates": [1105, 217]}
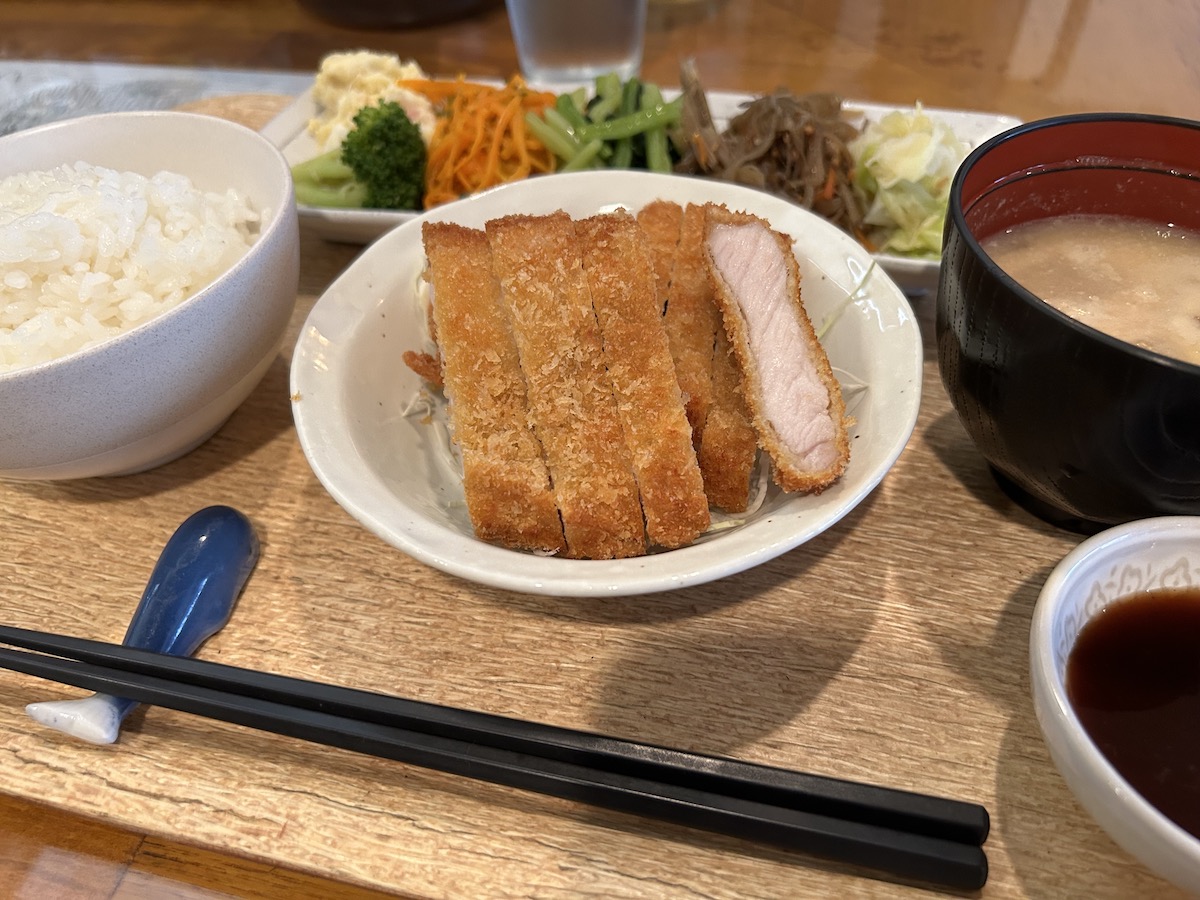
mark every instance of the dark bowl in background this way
{"type": "Point", "coordinates": [1082, 429]}
{"type": "Point", "coordinates": [393, 13]}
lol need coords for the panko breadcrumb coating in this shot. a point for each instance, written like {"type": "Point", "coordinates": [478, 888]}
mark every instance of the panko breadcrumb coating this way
{"type": "Point", "coordinates": [624, 294]}
{"type": "Point", "coordinates": [729, 449]}
{"type": "Point", "coordinates": [538, 262]}
{"type": "Point", "coordinates": [692, 319]}
{"type": "Point", "coordinates": [505, 480]}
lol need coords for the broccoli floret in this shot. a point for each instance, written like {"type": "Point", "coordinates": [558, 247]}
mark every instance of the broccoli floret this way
{"type": "Point", "coordinates": [380, 164]}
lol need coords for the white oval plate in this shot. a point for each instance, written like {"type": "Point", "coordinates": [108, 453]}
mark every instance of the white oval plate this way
{"type": "Point", "coordinates": [390, 469]}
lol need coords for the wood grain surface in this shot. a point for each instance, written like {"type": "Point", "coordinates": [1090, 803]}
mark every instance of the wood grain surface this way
{"type": "Point", "coordinates": [892, 648]}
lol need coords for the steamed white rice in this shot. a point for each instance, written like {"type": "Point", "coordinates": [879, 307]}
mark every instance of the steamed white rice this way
{"type": "Point", "coordinates": [88, 252]}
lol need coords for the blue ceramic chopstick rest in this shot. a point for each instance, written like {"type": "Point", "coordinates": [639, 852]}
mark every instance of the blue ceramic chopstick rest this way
{"type": "Point", "coordinates": [190, 597]}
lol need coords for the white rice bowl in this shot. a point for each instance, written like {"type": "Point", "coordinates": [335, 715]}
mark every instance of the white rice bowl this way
{"type": "Point", "coordinates": [87, 252]}
{"type": "Point", "coordinates": [143, 302]}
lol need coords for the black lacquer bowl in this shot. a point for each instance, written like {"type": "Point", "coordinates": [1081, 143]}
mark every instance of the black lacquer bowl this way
{"type": "Point", "coordinates": [394, 13]}
{"type": "Point", "coordinates": [1082, 429]}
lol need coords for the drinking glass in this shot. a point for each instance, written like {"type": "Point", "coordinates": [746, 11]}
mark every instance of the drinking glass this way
{"type": "Point", "coordinates": [576, 40]}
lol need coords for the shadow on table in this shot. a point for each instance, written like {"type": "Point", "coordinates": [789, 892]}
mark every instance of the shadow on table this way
{"type": "Point", "coordinates": [741, 656]}
{"type": "Point", "coordinates": [1034, 812]}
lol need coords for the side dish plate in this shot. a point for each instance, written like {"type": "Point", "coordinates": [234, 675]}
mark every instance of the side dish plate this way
{"type": "Point", "coordinates": [377, 440]}
{"type": "Point", "coordinates": [288, 131]}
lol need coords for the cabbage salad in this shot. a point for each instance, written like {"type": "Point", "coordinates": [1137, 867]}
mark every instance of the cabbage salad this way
{"type": "Point", "coordinates": [904, 164]}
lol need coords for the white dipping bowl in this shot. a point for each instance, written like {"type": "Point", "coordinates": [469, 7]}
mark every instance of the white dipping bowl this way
{"type": "Point", "coordinates": [153, 393]}
{"type": "Point", "coordinates": [1145, 555]}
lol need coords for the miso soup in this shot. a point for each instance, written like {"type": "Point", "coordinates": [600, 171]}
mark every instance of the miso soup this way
{"type": "Point", "coordinates": [1129, 278]}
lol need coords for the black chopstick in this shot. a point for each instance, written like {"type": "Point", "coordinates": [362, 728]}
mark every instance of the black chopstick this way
{"type": "Point", "coordinates": [903, 810]}
{"type": "Point", "coordinates": [907, 835]}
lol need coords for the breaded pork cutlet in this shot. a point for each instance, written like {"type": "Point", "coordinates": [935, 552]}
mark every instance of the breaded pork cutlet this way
{"type": "Point", "coordinates": [543, 284]}
{"type": "Point", "coordinates": [707, 373]}
{"type": "Point", "coordinates": [624, 295]}
{"type": "Point", "coordinates": [660, 221]}
{"type": "Point", "coordinates": [793, 396]}
{"type": "Point", "coordinates": [505, 480]}
{"type": "Point", "coordinates": [692, 320]}
{"type": "Point", "coordinates": [729, 447]}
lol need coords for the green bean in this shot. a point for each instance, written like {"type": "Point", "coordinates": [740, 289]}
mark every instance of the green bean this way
{"type": "Point", "coordinates": [561, 144]}
{"type": "Point", "coordinates": [658, 154]}
{"type": "Point", "coordinates": [561, 123]}
{"type": "Point", "coordinates": [608, 84]}
{"type": "Point", "coordinates": [622, 157]}
{"type": "Point", "coordinates": [588, 154]}
{"type": "Point", "coordinates": [566, 107]}
{"type": "Point", "coordinates": [659, 116]}
{"type": "Point", "coordinates": [608, 97]}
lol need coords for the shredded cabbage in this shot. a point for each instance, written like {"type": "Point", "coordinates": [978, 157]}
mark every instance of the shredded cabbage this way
{"type": "Point", "coordinates": [904, 164]}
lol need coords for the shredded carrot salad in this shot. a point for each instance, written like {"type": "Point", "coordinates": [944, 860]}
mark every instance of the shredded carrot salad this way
{"type": "Point", "coordinates": [480, 139]}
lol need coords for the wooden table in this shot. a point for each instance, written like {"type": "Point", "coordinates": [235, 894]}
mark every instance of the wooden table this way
{"type": "Point", "coordinates": [892, 648]}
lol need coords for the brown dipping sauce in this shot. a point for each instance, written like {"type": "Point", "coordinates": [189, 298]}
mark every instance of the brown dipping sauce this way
{"type": "Point", "coordinates": [1133, 678]}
